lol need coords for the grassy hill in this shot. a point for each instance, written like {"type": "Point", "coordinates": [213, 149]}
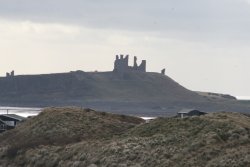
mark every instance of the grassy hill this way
{"type": "Point", "coordinates": [103, 139]}
{"type": "Point", "coordinates": [82, 86]}
{"type": "Point", "coordinates": [66, 125]}
{"type": "Point", "coordinates": [136, 93]}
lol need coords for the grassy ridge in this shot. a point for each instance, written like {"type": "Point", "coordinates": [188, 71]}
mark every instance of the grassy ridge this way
{"type": "Point", "coordinates": [216, 139]}
{"type": "Point", "coordinates": [86, 86]}
{"type": "Point", "coordinates": [60, 126]}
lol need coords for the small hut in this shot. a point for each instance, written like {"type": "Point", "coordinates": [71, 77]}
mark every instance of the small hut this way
{"type": "Point", "coordinates": [3, 126]}
{"type": "Point", "coordinates": [10, 120]}
{"type": "Point", "coordinates": [189, 113]}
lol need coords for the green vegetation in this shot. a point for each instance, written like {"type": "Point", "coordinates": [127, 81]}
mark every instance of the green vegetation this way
{"type": "Point", "coordinates": [76, 137]}
{"type": "Point", "coordinates": [60, 126]}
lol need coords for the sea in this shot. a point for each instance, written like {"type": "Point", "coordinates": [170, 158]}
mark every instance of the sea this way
{"type": "Point", "coordinates": [243, 97]}
{"type": "Point", "coordinates": [32, 111]}
{"type": "Point", "coordinates": [21, 111]}
{"type": "Point", "coordinates": [28, 112]}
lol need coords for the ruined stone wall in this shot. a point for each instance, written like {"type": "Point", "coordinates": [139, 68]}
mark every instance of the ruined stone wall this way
{"type": "Point", "coordinates": [11, 74]}
{"type": "Point", "coordinates": [142, 67]}
{"type": "Point", "coordinates": [121, 65]}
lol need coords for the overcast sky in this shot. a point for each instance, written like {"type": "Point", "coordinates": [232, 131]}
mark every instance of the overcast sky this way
{"type": "Point", "coordinates": [203, 44]}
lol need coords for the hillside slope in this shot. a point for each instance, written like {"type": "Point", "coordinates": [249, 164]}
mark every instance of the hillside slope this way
{"type": "Point", "coordinates": [67, 125]}
{"type": "Point", "coordinates": [216, 139]}
{"type": "Point", "coordinates": [81, 86]}
{"type": "Point", "coordinates": [134, 93]}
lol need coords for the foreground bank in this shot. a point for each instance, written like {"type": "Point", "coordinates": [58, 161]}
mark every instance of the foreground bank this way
{"type": "Point", "coordinates": [83, 137]}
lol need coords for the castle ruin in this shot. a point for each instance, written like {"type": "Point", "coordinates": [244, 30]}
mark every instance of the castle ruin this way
{"type": "Point", "coordinates": [11, 74]}
{"type": "Point", "coordinates": [121, 64]}
{"type": "Point", "coordinates": [163, 71]}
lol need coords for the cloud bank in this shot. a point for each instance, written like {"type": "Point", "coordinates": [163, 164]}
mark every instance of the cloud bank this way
{"type": "Point", "coordinates": [202, 43]}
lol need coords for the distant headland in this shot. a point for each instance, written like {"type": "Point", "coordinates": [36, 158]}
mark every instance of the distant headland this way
{"type": "Point", "coordinates": [125, 89]}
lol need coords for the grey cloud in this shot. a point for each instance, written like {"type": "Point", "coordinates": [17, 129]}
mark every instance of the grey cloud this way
{"type": "Point", "coordinates": [202, 20]}
{"type": "Point", "coordinates": [205, 18]}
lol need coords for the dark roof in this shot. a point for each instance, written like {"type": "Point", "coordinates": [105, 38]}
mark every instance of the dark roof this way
{"type": "Point", "coordinates": [13, 116]}
{"type": "Point", "coordinates": [1, 121]}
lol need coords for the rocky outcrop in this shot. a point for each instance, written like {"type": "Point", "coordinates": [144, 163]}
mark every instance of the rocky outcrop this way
{"type": "Point", "coordinates": [217, 95]}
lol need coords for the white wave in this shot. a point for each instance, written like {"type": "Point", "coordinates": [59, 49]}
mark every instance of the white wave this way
{"type": "Point", "coordinates": [243, 97]}
{"type": "Point", "coordinates": [22, 111]}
